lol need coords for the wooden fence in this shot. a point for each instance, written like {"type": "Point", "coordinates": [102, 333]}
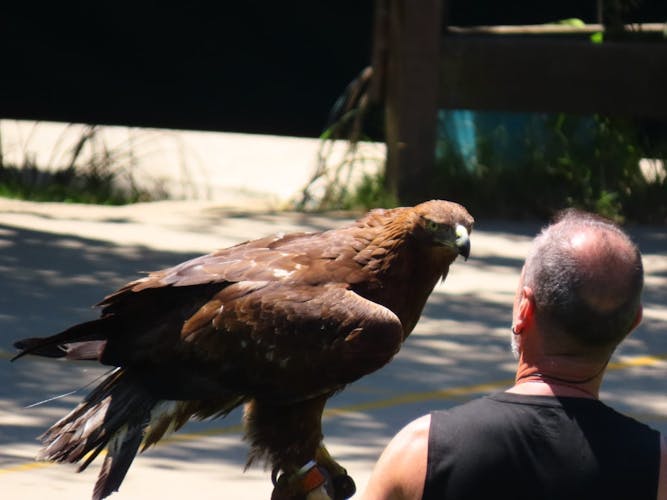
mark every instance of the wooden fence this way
{"type": "Point", "coordinates": [422, 65]}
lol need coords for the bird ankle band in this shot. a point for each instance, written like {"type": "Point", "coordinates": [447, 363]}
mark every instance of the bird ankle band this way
{"type": "Point", "coordinates": [311, 476]}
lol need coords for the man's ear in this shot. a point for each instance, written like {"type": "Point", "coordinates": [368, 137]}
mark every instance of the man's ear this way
{"type": "Point", "coordinates": [525, 310]}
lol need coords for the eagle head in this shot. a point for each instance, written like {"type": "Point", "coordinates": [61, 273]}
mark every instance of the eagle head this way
{"type": "Point", "coordinates": [446, 224]}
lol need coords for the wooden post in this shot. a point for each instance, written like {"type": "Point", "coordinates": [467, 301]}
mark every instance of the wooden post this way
{"type": "Point", "coordinates": [411, 78]}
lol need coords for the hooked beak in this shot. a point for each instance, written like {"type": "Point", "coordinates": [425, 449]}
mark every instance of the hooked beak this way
{"type": "Point", "coordinates": [462, 241]}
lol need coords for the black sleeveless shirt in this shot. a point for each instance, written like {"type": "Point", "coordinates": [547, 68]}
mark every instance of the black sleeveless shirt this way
{"type": "Point", "coordinates": [539, 447]}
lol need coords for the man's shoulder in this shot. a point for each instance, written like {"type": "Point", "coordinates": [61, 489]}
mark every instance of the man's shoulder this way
{"type": "Point", "coordinates": [479, 407]}
{"type": "Point", "coordinates": [493, 407]}
{"type": "Point", "coordinates": [401, 469]}
{"type": "Point", "coordinates": [418, 429]}
{"type": "Point", "coordinates": [483, 414]}
{"type": "Point", "coordinates": [494, 411]}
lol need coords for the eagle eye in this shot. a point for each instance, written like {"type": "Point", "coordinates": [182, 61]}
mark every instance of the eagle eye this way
{"type": "Point", "coordinates": [432, 225]}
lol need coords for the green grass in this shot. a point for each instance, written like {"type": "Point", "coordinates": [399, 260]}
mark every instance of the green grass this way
{"type": "Point", "coordinates": [558, 161]}
{"type": "Point", "coordinates": [71, 185]}
{"type": "Point", "coordinates": [82, 169]}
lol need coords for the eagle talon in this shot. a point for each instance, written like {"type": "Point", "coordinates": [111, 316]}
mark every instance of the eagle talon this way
{"type": "Point", "coordinates": [343, 487]}
{"type": "Point", "coordinates": [275, 477]}
{"type": "Point", "coordinates": [311, 482]}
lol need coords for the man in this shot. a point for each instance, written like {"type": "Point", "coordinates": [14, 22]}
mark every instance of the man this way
{"type": "Point", "coordinates": [548, 436]}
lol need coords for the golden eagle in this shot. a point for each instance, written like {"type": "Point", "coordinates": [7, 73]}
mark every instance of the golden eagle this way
{"type": "Point", "coordinates": [277, 324]}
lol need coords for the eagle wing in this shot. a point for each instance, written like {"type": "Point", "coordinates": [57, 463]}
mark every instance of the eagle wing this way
{"type": "Point", "coordinates": [295, 342]}
{"type": "Point", "coordinates": [273, 318]}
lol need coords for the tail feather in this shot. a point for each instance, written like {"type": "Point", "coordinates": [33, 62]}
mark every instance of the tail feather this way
{"type": "Point", "coordinates": [118, 415]}
{"type": "Point", "coordinates": [170, 416]}
{"type": "Point", "coordinates": [94, 332]}
{"type": "Point", "coordinates": [115, 416]}
{"type": "Point", "coordinates": [122, 449]}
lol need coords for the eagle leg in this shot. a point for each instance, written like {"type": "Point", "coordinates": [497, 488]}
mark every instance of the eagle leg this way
{"type": "Point", "coordinates": [342, 485]}
{"type": "Point", "coordinates": [313, 482]}
{"type": "Point", "coordinates": [310, 482]}
{"type": "Point", "coordinates": [287, 436]}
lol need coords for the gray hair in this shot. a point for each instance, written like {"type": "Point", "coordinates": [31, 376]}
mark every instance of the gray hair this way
{"type": "Point", "coordinates": [589, 293]}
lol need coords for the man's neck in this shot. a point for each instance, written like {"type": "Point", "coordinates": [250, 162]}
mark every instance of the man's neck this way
{"type": "Point", "coordinates": [539, 387]}
{"type": "Point", "coordinates": [564, 376]}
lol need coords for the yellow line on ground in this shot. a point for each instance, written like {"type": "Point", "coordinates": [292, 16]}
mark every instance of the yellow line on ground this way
{"type": "Point", "coordinates": [25, 467]}
{"type": "Point", "coordinates": [417, 397]}
{"type": "Point", "coordinates": [638, 361]}
{"type": "Point", "coordinates": [408, 398]}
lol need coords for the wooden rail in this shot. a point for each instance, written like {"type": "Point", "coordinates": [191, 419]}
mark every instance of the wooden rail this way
{"type": "Point", "coordinates": [541, 74]}
{"type": "Point", "coordinates": [520, 68]}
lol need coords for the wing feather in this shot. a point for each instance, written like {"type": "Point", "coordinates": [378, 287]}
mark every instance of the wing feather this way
{"type": "Point", "coordinates": [303, 340]}
{"type": "Point", "coordinates": [274, 316]}
{"type": "Point", "coordinates": [262, 339]}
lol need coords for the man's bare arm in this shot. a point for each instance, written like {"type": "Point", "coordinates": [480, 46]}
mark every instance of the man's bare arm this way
{"type": "Point", "coordinates": [401, 470]}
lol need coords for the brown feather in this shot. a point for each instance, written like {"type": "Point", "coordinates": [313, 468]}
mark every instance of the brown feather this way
{"type": "Point", "coordinates": [254, 323]}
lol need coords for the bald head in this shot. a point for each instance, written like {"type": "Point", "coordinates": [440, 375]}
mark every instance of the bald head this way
{"type": "Point", "coordinates": [586, 276]}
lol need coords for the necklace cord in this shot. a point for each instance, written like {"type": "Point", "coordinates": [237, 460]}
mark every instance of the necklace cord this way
{"type": "Point", "coordinates": [565, 380]}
